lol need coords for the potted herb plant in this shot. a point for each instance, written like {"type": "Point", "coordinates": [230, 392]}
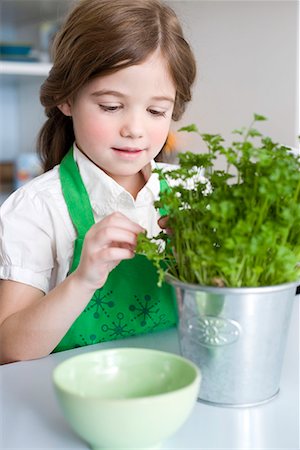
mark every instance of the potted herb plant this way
{"type": "Point", "coordinates": [234, 259]}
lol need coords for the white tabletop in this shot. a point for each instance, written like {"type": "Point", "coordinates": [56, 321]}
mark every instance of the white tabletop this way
{"type": "Point", "coordinates": [31, 418]}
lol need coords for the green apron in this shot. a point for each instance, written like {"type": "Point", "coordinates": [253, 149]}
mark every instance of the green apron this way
{"type": "Point", "coordinates": [130, 302]}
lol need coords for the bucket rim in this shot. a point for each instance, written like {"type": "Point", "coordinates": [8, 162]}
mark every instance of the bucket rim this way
{"type": "Point", "coordinates": [233, 290]}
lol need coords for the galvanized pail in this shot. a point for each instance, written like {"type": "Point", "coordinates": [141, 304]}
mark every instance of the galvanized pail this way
{"type": "Point", "coordinates": [237, 337]}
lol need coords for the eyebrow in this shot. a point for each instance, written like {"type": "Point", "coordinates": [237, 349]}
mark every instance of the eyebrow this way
{"type": "Point", "coordinates": [121, 95]}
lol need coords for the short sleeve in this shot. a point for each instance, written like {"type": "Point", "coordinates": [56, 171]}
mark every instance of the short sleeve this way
{"type": "Point", "coordinates": [26, 240]}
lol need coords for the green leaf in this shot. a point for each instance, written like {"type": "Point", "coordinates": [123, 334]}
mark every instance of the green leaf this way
{"type": "Point", "coordinates": [190, 128]}
{"type": "Point", "coordinates": [258, 117]}
{"type": "Point", "coordinates": [149, 248]}
{"type": "Point", "coordinates": [253, 133]}
{"type": "Point", "coordinates": [240, 227]}
{"type": "Point", "coordinates": [239, 131]}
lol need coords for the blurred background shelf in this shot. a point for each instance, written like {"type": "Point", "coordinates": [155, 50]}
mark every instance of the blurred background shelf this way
{"type": "Point", "coordinates": [28, 12]}
{"type": "Point", "coordinates": [24, 68]}
{"type": "Point", "coordinates": [241, 69]}
{"type": "Point", "coordinates": [31, 25]}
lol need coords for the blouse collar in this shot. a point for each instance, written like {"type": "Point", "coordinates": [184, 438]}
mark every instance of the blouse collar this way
{"type": "Point", "coordinates": [104, 190]}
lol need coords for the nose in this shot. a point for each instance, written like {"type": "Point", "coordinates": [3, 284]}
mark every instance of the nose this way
{"type": "Point", "coordinates": [132, 126]}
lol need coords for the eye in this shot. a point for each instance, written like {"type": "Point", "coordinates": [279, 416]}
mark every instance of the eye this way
{"type": "Point", "coordinates": [156, 113]}
{"type": "Point", "coordinates": [110, 108]}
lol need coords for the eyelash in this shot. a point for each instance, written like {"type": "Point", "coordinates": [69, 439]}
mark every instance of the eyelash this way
{"type": "Point", "coordinates": [157, 113]}
{"type": "Point", "coordinates": [109, 108]}
{"type": "Point", "coordinates": [112, 109]}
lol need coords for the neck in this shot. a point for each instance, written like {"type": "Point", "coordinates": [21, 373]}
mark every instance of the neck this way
{"type": "Point", "coordinates": [134, 184]}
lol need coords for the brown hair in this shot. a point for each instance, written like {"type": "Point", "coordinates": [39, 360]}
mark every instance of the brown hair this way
{"type": "Point", "coordinates": [100, 37]}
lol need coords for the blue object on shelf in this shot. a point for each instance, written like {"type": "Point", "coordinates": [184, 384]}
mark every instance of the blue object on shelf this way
{"type": "Point", "coordinates": [16, 49]}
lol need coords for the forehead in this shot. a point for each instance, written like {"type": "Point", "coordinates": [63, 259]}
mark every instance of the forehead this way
{"type": "Point", "coordinates": [151, 77]}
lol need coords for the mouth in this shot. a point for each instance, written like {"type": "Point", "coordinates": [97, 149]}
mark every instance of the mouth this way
{"type": "Point", "coordinates": [127, 153]}
{"type": "Point", "coordinates": [129, 150]}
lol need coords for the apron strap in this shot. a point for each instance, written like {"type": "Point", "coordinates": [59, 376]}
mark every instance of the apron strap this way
{"type": "Point", "coordinates": [75, 195]}
{"type": "Point", "coordinates": [163, 187]}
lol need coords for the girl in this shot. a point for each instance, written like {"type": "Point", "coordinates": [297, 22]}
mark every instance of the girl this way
{"type": "Point", "coordinates": [122, 71]}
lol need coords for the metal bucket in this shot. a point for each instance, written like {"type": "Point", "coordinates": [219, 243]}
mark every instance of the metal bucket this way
{"type": "Point", "coordinates": [237, 337]}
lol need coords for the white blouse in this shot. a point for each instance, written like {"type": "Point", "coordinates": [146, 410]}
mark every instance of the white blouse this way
{"type": "Point", "coordinates": [37, 234]}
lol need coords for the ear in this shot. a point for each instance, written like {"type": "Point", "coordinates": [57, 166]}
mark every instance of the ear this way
{"type": "Point", "coordinates": [65, 108]}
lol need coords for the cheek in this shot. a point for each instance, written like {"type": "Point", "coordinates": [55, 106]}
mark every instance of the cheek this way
{"type": "Point", "coordinates": [100, 130]}
{"type": "Point", "coordinates": [92, 127]}
{"type": "Point", "coordinates": [159, 136]}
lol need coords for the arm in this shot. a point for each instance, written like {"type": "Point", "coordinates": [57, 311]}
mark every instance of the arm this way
{"type": "Point", "coordinates": [31, 323]}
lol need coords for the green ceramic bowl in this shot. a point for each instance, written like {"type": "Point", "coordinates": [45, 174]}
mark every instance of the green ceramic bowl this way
{"type": "Point", "coordinates": [126, 398]}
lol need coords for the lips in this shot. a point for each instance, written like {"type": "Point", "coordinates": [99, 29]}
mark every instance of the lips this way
{"type": "Point", "coordinates": [127, 149]}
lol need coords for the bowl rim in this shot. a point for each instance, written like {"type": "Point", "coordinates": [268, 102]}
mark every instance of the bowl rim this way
{"type": "Point", "coordinates": [90, 354]}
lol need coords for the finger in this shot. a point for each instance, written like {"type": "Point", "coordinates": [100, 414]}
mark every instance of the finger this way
{"type": "Point", "coordinates": [119, 220]}
{"type": "Point", "coordinates": [163, 221]}
{"type": "Point", "coordinates": [114, 255]}
{"type": "Point", "coordinates": [123, 245]}
{"type": "Point", "coordinates": [114, 237]}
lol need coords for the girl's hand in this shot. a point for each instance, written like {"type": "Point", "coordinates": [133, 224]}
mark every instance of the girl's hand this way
{"type": "Point", "coordinates": [163, 223]}
{"type": "Point", "coordinates": [106, 244]}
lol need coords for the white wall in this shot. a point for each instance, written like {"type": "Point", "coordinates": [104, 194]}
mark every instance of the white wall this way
{"type": "Point", "coordinates": [247, 54]}
{"type": "Point", "coordinates": [247, 62]}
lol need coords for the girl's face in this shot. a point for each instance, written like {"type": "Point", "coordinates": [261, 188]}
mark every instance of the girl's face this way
{"type": "Point", "coordinates": [121, 121]}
